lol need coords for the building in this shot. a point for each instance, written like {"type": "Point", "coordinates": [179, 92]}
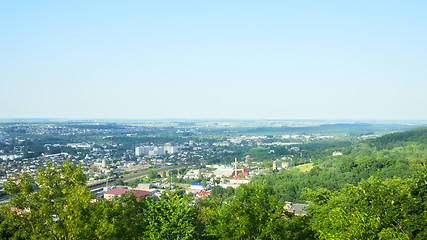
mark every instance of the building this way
{"type": "Point", "coordinates": [239, 181]}
{"type": "Point", "coordinates": [79, 145]}
{"type": "Point", "coordinates": [143, 150]}
{"type": "Point", "coordinates": [144, 186]}
{"type": "Point", "coordinates": [297, 209]}
{"type": "Point", "coordinates": [138, 151]}
{"type": "Point", "coordinates": [155, 150]}
{"type": "Point", "coordinates": [223, 171]}
{"type": "Point", "coordinates": [285, 165]}
{"type": "Point", "coordinates": [110, 194]}
{"type": "Point", "coordinates": [196, 186]}
{"type": "Point", "coordinates": [194, 174]}
{"type": "Point", "coordinates": [203, 194]}
{"type": "Point", "coordinates": [10, 157]}
{"type": "Point", "coordinates": [171, 149]}
{"type": "Point", "coordinates": [234, 183]}
{"type": "Point", "coordinates": [336, 154]}
{"type": "Point", "coordinates": [235, 167]}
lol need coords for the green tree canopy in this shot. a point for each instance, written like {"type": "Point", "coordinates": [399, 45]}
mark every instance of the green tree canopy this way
{"type": "Point", "coordinates": [58, 209]}
{"type": "Point", "coordinates": [375, 209]}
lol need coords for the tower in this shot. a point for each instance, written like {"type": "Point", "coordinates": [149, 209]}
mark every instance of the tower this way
{"type": "Point", "coordinates": [274, 166]}
{"type": "Point", "coordinates": [235, 167]}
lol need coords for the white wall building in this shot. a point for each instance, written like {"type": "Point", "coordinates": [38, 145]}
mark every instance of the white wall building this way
{"type": "Point", "coordinates": [155, 150]}
{"type": "Point", "coordinates": [196, 186]}
{"type": "Point", "coordinates": [336, 154]}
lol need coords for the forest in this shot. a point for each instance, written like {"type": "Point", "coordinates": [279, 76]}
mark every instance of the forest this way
{"type": "Point", "coordinates": [376, 190]}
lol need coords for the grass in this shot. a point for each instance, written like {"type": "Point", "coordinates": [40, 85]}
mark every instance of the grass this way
{"type": "Point", "coordinates": [185, 185]}
{"type": "Point", "coordinates": [305, 167]}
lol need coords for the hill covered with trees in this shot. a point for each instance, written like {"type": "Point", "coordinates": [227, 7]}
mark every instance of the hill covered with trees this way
{"type": "Point", "coordinates": [397, 155]}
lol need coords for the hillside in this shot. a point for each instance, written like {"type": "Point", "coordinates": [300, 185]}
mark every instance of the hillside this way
{"type": "Point", "coordinates": [397, 155]}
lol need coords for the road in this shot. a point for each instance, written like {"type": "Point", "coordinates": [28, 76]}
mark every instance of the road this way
{"type": "Point", "coordinates": [135, 175]}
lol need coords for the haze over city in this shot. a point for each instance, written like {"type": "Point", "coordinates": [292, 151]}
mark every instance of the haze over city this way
{"type": "Point", "coordinates": [218, 59]}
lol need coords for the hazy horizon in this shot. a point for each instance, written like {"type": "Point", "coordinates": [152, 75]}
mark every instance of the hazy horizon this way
{"type": "Point", "coordinates": [356, 121]}
{"type": "Point", "coordinates": [311, 60]}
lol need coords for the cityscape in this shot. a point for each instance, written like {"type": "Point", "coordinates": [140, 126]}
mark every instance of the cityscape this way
{"type": "Point", "coordinates": [236, 120]}
{"type": "Point", "coordinates": [198, 166]}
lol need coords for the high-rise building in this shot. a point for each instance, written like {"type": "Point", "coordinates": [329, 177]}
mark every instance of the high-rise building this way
{"type": "Point", "coordinates": [138, 151]}
{"type": "Point", "coordinates": [155, 150]}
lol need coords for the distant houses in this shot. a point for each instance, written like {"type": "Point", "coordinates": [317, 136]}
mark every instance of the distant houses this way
{"type": "Point", "coordinates": [79, 145]}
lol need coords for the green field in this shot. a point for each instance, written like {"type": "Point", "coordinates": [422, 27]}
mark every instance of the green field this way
{"type": "Point", "coordinates": [305, 167]}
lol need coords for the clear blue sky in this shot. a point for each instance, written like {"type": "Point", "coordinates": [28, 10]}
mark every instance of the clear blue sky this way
{"type": "Point", "coordinates": [214, 59]}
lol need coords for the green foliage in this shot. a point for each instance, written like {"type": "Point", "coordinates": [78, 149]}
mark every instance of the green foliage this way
{"type": "Point", "coordinates": [254, 213]}
{"type": "Point", "coordinates": [396, 155]}
{"type": "Point", "coordinates": [375, 209]}
{"type": "Point", "coordinates": [146, 218]}
{"type": "Point", "coordinates": [173, 172]}
{"type": "Point", "coordinates": [59, 208]}
{"type": "Point", "coordinates": [221, 193]}
{"type": "Point", "coordinates": [169, 219]}
{"type": "Point", "coordinates": [152, 174]}
{"type": "Point", "coordinates": [120, 219]}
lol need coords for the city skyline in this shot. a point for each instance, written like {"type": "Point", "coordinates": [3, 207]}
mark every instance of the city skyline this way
{"type": "Point", "coordinates": [214, 60]}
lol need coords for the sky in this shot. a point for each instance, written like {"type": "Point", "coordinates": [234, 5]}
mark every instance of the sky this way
{"type": "Point", "coordinates": [214, 59]}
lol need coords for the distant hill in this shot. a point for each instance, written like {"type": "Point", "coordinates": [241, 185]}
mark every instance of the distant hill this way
{"type": "Point", "coordinates": [417, 135]}
{"type": "Point", "coordinates": [354, 129]}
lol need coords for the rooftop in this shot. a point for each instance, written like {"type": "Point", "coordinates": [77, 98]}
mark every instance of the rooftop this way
{"type": "Point", "coordinates": [120, 191]}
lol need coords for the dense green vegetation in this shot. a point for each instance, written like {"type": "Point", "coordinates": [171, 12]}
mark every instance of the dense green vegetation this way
{"type": "Point", "coordinates": [374, 209]}
{"type": "Point", "coordinates": [395, 155]}
{"type": "Point", "coordinates": [376, 190]}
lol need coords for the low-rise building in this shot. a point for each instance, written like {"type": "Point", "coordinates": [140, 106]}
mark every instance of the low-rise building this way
{"type": "Point", "coordinates": [336, 154]}
{"type": "Point", "coordinates": [297, 209]}
{"type": "Point", "coordinates": [223, 171]}
{"type": "Point", "coordinates": [234, 183]}
{"type": "Point", "coordinates": [285, 165]}
{"type": "Point", "coordinates": [196, 186]}
{"type": "Point", "coordinates": [144, 186]}
{"type": "Point", "coordinates": [110, 194]}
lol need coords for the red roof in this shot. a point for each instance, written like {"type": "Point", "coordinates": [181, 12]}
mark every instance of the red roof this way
{"type": "Point", "coordinates": [120, 191]}
{"type": "Point", "coordinates": [203, 194]}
